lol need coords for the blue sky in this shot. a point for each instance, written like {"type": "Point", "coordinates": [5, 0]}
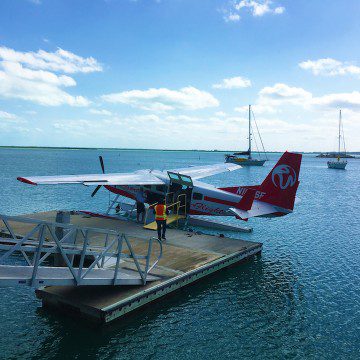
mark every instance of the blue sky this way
{"type": "Point", "coordinates": [178, 74]}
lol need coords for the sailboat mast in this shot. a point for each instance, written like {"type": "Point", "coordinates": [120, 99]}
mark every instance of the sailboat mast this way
{"type": "Point", "coordinates": [339, 131]}
{"type": "Point", "coordinates": [249, 131]}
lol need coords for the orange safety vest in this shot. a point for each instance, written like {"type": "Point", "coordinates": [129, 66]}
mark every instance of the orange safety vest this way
{"type": "Point", "coordinates": [160, 212]}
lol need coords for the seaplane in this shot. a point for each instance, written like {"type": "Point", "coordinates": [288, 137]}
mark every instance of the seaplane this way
{"type": "Point", "coordinates": [189, 196]}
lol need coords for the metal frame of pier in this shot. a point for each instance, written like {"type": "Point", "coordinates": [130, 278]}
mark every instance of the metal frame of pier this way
{"type": "Point", "coordinates": [41, 240]}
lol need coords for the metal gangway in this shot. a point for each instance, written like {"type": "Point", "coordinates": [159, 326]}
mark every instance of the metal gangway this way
{"type": "Point", "coordinates": [87, 256]}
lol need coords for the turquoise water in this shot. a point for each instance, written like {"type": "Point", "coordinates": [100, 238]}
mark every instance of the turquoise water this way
{"type": "Point", "coordinates": [300, 300]}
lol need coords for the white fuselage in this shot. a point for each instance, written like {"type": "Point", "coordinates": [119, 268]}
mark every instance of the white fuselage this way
{"type": "Point", "coordinates": [205, 199]}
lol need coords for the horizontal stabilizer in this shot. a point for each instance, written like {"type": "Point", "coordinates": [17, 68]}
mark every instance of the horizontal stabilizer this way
{"type": "Point", "coordinates": [258, 208]}
{"type": "Point", "coordinates": [240, 214]}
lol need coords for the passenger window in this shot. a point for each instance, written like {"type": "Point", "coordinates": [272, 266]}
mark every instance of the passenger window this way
{"type": "Point", "coordinates": [160, 188]}
{"type": "Point", "coordinates": [197, 196]}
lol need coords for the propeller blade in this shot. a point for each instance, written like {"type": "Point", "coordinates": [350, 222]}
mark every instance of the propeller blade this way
{"type": "Point", "coordinates": [96, 190]}
{"type": "Point", "coordinates": [102, 164]}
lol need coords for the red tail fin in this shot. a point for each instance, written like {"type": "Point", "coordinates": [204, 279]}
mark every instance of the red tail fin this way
{"type": "Point", "coordinates": [247, 200]}
{"type": "Point", "coordinates": [282, 182]}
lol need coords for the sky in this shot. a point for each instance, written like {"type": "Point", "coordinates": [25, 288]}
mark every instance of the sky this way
{"type": "Point", "coordinates": [179, 74]}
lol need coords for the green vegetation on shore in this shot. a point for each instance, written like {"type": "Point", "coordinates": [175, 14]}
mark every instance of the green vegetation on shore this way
{"type": "Point", "coordinates": [134, 149]}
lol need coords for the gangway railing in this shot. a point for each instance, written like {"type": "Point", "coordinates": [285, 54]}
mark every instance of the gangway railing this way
{"type": "Point", "coordinates": [182, 205]}
{"type": "Point", "coordinates": [175, 208]}
{"type": "Point", "coordinates": [103, 257]}
{"type": "Point", "coordinates": [115, 202]}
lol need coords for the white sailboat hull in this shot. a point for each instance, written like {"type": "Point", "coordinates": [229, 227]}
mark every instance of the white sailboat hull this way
{"type": "Point", "coordinates": [236, 158]}
{"type": "Point", "coordinates": [246, 162]}
{"type": "Point", "coordinates": [337, 165]}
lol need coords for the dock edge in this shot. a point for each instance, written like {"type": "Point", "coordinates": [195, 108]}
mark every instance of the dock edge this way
{"type": "Point", "coordinates": [118, 309]}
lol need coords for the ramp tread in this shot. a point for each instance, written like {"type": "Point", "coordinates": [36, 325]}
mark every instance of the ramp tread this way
{"type": "Point", "coordinates": [170, 219]}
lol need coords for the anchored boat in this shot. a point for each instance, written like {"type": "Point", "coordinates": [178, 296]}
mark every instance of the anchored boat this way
{"type": "Point", "coordinates": [339, 164]}
{"type": "Point", "coordinates": [238, 157]}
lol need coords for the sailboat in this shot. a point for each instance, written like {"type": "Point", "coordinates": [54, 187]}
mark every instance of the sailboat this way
{"type": "Point", "coordinates": [339, 164]}
{"type": "Point", "coordinates": [238, 157]}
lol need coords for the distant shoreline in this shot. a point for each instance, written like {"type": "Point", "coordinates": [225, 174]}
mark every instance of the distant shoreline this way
{"type": "Point", "coordinates": [135, 149]}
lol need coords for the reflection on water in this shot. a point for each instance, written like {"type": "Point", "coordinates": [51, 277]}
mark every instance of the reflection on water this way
{"type": "Point", "coordinates": [300, 299]}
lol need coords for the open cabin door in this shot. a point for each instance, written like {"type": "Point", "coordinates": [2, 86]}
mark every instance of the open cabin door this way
{"type": "Point", "coordinates": [180, 189]}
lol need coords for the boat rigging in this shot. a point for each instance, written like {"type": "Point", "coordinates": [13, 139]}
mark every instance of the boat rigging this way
{"type": "Point", "coordinates": [238, 157]}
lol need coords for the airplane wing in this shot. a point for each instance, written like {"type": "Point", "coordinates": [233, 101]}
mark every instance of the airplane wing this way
{"type": "Point", "coordinates": [142, 177]}
{"type": "Point", "coordinates": [198, 172]}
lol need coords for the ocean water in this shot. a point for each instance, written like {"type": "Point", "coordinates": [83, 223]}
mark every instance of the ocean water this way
{"type": "Point", "coordinates": [299, 300]}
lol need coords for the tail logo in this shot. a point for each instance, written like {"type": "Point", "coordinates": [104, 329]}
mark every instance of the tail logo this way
{"type": "Point", "coordinates": [283, 176]}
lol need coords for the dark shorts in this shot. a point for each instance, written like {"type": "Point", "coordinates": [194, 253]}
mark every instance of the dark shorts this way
{"type": "Point", "coordinates": [140, 207]}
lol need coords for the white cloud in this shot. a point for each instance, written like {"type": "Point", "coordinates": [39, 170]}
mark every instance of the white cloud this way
{"type": "Point", "coordinates": [30, 112]}
{"type": "Point", "coordinates": [258, 109]}
{"type": "Point", "coordinates": [43, 93]}
{"type": "Point", "coordinates": [258, 7]}
{"type": "Point", "coordinates": [162, 99]}
{"type": "Point", "coordinates": [272, 97]}
{"type": "Point", "coordinates": [236, 82]}
{"type": "Point", "coordinates": [231, 17]}
{"type": "Point", "coordinates": [280, 93]}
{"type": "Point", "coordinates": [31, 76]}
{"type": "Point", "coordinates": [11, 123]}
{"type": "Point", "coordinates": [101, 112]}
{"type": "Point", "coordinates": [330, 67]}
{"type": "Point", "coordinates": [350, 101]}
{"type": "Point", "coordinates": [60, 60]}
{"type": "Point", "coordinates": [7, 116]}
{"type": "Point", "coordinates": [279, 10]}
{"type": "Point", "coordinates": [17, 70]}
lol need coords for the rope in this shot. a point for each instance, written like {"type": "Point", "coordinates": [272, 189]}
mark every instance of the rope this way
{"type": "Point", "coordinates": [259, 135]}
{"type": "Point", "coordinates": [257, 148]}
{"type": "Point", "coordinates": [343, 136]}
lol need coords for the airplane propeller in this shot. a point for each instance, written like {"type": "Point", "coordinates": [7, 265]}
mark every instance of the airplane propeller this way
{"type": "Point", "coordinates": [103, 170]}
{"type": "Point", "coordinates": [102, 164]}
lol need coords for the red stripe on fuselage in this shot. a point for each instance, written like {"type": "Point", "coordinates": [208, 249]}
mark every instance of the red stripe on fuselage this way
{"type": "Point", "coordinates": [196, 212]}
{"type": "Point", "coordinates": [220, 201]}
{"type": "Point", "coordinates": [119, 191]}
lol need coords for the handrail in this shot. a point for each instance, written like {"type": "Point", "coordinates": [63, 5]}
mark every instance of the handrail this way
{"type": "Point", "coordinates": [181, 206]}
{"type": "Point", "coordinates": [41, 240]}
{"type": "Point", "coordinates": [55, 224]}
{"type": "Point", "coordinates": [148, 269]}
{"type": "Point", "coordinates": [177, 204]}
{"type": "Point", "coordinates": [173, 204]}
{"type": "Point", "coordinates": [168, 193]}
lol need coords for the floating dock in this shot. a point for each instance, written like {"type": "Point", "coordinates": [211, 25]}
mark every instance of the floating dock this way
{"type": "Point", "coordinates": [186, 257]}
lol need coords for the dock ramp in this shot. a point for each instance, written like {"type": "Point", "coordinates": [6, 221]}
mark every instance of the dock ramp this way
{"type": "Point", "coordinates": [62, 276]}
{"type": "Point", "coordinates": [169, 220]}
{"type": "Point", "coordinates": [88, 256]}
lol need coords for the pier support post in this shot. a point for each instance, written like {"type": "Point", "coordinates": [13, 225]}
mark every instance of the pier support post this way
{"type": "Point", "coordinates": [62, 217]}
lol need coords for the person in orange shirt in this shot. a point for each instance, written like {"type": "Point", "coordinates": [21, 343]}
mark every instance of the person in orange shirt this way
{"type": "Point", "coordinates": [161, 212]}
